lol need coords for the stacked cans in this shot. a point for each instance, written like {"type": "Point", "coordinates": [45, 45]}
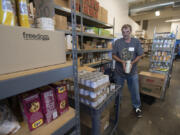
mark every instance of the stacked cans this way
{"type": "Point", "coordinates": [45, 23]}
{"type": "Point", "coordinates": [92, 79]}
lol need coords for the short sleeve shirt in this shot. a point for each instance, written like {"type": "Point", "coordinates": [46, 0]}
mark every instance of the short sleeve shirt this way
{"type": "Point", "coordinates": [127, 51]}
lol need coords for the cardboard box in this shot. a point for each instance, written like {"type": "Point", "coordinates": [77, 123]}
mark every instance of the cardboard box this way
{"type": "Point", "coordinates": [104, 122]}
{"type": "Point", "coordinates": [61, 22]}
{"type": "Point", "coordinates": [28, 48]}
{"type": "Point", "coordinates": [109, 45]}
{"type": "Point", "coordinates": [99, 13]}
{"type": "Point", "coordinates": [61, 97]}
{"type": "Point", "coordinates": [77, 4]}
{"type": "Point", "coordinates": [86, 9]}
{"type": "Point", "coordinates": [62, 3]}
{"type": "Point", "coordinates": [151, 90]}
{"type": "Point", "coordinates": [48, 101]}
{"type": "Point", "coordinates": [104, 15]}
{"type": "Point", "coordinates": [91, 12]}
{"type": "Point", "coordinates": [92, 3]}
{"type": "Point", "coordinates": [152, 78]}
{"type": "Point", "coordinates": [96, 6]}
{"type": "Point", "coordinates": [32, 110]}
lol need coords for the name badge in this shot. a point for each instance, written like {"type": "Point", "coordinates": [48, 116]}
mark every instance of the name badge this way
{"type": "Point", "coordinates": [131, 49]}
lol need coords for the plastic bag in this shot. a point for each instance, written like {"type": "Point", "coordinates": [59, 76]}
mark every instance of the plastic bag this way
{"type": "Point", "coordinates": [7, 16]}
{"type": "Point", "coordinates": [8, 122]}
{"type": "Point", "coordinates": [23, 13]}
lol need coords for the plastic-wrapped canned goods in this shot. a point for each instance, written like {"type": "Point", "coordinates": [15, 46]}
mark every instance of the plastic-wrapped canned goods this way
{"type": "Point", "coordinates": [93, 95]}
{"type": "Point", "coordinates": [94, 104]}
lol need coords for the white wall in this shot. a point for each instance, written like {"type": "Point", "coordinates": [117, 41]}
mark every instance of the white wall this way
{"type": "Point", "coordinates": [174, 27]}
{"type": "Point", "coordinates": [119, 10]}
{"type": "Point", "coordinates": [161, 26]}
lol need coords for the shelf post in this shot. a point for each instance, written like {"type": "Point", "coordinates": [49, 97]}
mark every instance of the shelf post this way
{"type": "Point", "coordinates": [75, 67]}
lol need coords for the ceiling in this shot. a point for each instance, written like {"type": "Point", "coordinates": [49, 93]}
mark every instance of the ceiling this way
{"type": "Point", "coordinates": [144, 9]}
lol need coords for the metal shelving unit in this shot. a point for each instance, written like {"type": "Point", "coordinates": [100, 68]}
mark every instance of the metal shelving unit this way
{"type": "Point", "coordinates": [90, 51]}
{"type": "Point", "coordinates": [98, 63]}
{"type": "Point", "coordinates": [88, 35]}
{"type": "Point", "coordinates": [16, 83]}
{"type": "Point", "coordinates": [89, 21]}
{"type": "Point", "coordinates": [95, 113]}
{"type": "Point", "coordinates": [11, 86]}
{"type": "Point", "coordinates": [159, 49]}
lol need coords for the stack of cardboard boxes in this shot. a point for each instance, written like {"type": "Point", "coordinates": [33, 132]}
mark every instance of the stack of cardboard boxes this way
{"type": "Point", "coordinates": [152, 83]}
{"type": "Point", "coordinates": [103, 15]}
{"type": "Point", "coordinates": [89, 7]}
{"type": "Point", "coordinates": [67, 3]}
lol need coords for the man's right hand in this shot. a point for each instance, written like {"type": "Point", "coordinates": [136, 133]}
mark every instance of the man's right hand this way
{"type": "Point", "coordinates": [124, 65]}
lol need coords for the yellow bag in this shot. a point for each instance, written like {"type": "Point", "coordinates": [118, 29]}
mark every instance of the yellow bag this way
{"type": "Point", "coordinates": [23, 13]}
{"type": "Point", "coordinates": [6, 13]}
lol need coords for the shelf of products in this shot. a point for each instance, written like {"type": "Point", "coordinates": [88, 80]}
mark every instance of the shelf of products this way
{"type": "Point", "coordinates": [96, 113]}
{"type": "Point", "coordinates": [162, 52]}
{"type": "Point", "coordinates": [88, 20]}
{"type": "Point", "coordinates": [98, 63]}
{"type": "Point", "coordinates": [90, 51]}
{"type": "Point", "coordinates": [56, 127]}
{"type": "Point", "coordinates": [16, 83]}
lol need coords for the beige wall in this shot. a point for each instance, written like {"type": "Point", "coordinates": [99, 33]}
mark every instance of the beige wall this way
{"type": "Point", "coordinates": [119, 10]}
{"type": "Point", "coordinates": [160, 26]}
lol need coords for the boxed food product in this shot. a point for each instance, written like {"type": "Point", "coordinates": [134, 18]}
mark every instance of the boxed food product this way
{"type": "Point", "coordinates": [96, 6]}
{"type": "Point", "coordinates": [61, 97]}
{"type": "Point", "coordinates": [62, 3]}
{"type": "Point", "coordinates": [86, 9]}
{"type": "Point", "coordinates": [151, 83]}
{"type": "Point", "coordinates": [99, 13]}
{"type": "Point", "coordinates": [23, 13]}
{"type": "Point", "coordinates": [151, 90]}
{"type": "Point", "coordinates": [91, 12]}
{"type": "Point", "coordinates": [61, 22]}
{"type": "Point", "coordinates": [104, 121]}
{"type": "Point", "coordinates": [150, 78]}
{"type": "Point", "coordinates": [48, 101]}
{"type": "Point", "coordinates": [7, 15]}
{"type": "Point", "coordinates": [32, 110]}
{"type": "Point", "coordinates": [30, 48]}
{"type": "Point", "coordinates": [104, 15]}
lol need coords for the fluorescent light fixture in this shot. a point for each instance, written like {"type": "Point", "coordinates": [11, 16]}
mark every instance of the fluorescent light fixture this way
{"type": "Point", "coordinates": [173, 20]}
{"type": "Point", "coordinates": [157, 13]}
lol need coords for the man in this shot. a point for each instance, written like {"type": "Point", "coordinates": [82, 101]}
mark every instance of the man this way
{"type": "Point", "coordinates": [124, 49]}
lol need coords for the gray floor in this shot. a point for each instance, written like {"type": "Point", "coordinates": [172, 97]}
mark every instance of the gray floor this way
{"type": "Point", "coordinates": [159, 118]}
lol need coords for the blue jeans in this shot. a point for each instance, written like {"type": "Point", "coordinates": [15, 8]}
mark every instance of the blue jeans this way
{"type": "Point", "coordinates": [133, 86]}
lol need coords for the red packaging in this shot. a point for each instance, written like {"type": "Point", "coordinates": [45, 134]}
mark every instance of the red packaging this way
{"type": "Point", "coordinates": [92, 3]}
{"type": "Point", "coordinates": [31, 106]}
{"type": "Point", "coordinates": [96, 6]}
{"type": "Point", "coordinates": [91, 12]}
{"type": "Point", "coordinates": [61, 97]}
{"type": "Point", "coordinates": [48, 101]}
{"type": "Point", "coordinates": [86, 9]}
{"type": "Point", "coordinates": [96, 14]}
{"type": "Point", "coordinates": [85, 2]}
{"type": "Point", "coordinates": [77, 7]}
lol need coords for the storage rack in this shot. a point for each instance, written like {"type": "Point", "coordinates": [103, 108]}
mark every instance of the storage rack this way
{"type": "Point", "coordinates": [84, 19]}
{"type": "Point", "coordinates": [170, 50]}
{"type": "Point", "coordinates": [16, 83]}
{"type": "Point", "coordinates": [95, 113]}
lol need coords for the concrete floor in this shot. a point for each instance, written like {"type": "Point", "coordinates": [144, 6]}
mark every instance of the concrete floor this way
{"type": "Point", "coordinates": [160, 117]}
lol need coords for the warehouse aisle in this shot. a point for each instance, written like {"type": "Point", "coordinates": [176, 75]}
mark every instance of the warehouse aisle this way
{"type": "Point", "coordinates": [160, 117]}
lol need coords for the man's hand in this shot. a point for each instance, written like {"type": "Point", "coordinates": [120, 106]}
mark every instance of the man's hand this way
{"type": "Point", "coordinates": [124, 65]}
